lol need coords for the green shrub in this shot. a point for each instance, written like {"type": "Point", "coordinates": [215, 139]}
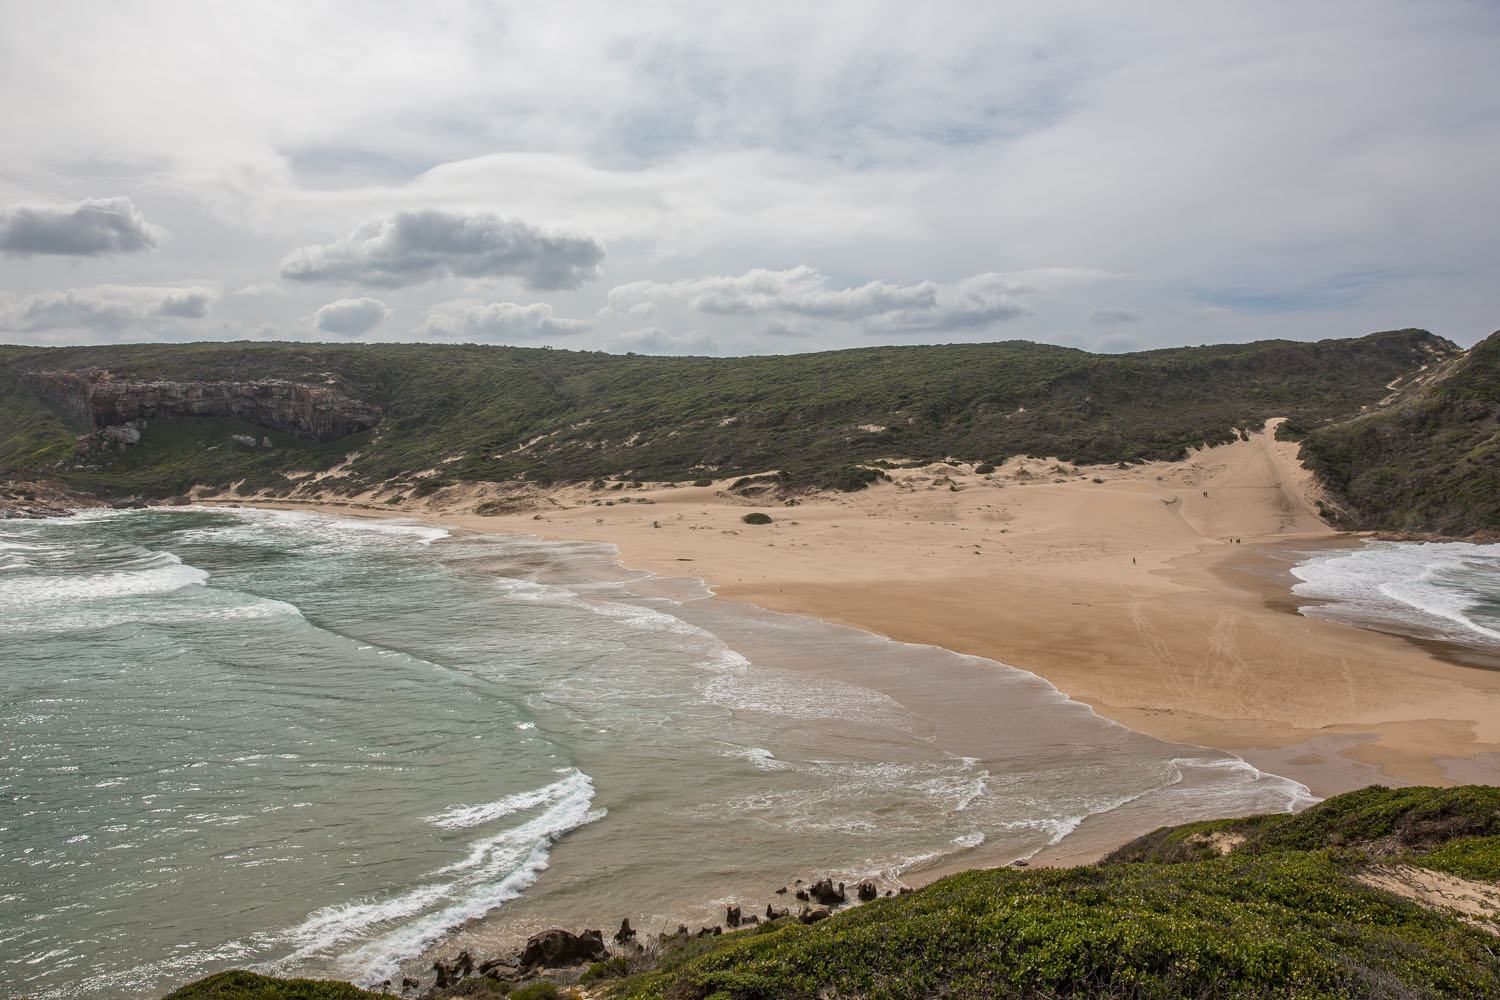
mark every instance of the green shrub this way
{"type": "Point", "coordinates": [985, 469]}
{"type": "Point", "coordinates": [539, 990]}
{"type": "Point", "coordinates": [242, 985]}
{"type": "Point", "coordinates": [756, 518]}
{"type": "Point", "coordinates": [703, 482]}
{"type": "Point", "coordinates": [1473, 858]}
{"type": "Point", "coordinates": [611, 968]}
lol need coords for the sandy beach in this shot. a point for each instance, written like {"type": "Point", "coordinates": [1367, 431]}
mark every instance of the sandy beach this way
{"type": "Point", "coordinates": [1156, 593]}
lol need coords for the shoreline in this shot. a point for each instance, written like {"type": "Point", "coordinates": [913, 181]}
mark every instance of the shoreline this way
{"type": "Point", "coordinates": [1089, 838]}
{"type": "Point", "coordinates": [1155, 594]}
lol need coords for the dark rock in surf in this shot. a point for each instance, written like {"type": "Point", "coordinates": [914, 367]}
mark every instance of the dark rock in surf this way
{"type": "Point", "coordinates": [824, 892]}
{"type": "Point", "coordinates": [867, 891]}
{"type": "Point", "coordinates": [625, 933]}
{"type": "Point", "coordinates": [556, 948]}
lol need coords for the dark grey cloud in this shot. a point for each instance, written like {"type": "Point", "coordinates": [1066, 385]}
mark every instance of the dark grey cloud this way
{"type": "Point", "coordinates": [410, 248]}
{"type": "Point", "coordinates": [351, 317]}
{"type": "Point", "coordinates": [501, 322]}
{"type": "Point", "coordinates": [1113, 317]}
{"type": "Point", "coordinates": [91, 228]}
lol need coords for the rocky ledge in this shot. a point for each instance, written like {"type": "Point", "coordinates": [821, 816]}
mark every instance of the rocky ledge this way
{"type": "Point", "coordinates": [316, 412]}
{"type": "Point", "coordinates": [31, 499]}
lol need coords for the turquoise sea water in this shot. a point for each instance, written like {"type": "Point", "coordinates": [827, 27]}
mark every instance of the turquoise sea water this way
{"type": "Point", "coordinates": [326, 745]}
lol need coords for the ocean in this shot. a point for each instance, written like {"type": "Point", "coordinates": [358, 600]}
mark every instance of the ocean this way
{"type": "Point", "coordinates": [328, 746]}
{"type": "Point", "coordinates": [1448, 591]}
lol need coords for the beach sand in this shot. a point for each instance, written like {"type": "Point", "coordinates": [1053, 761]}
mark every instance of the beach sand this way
{"type": "Point", "coordinates": [1156, 593]}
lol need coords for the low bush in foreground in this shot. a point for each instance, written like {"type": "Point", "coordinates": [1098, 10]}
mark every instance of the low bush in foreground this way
{"type": "Point", "coordinates": [1283, 925]}
{"type": "Point", "coordinates": [241, 985]}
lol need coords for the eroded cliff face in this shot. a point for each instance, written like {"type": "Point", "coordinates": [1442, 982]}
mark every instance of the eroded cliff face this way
{"type": "Point", "coordinates": [316, 412]}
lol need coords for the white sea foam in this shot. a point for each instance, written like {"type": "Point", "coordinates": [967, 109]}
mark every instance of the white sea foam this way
{"type": "Point", "coordinates": [515, 856]}
{"type": "Point", "coordinates": [763, 759]}
{"type": "Point", "coordinates": [1429, 588]}
{"type": "Point", "coordinates": [161, 574]}
{"type": "Point", "coordinates": [462, 817]}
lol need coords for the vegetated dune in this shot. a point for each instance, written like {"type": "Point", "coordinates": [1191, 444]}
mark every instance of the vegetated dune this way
{"type": "Point", "coordinates": [1425, 459]}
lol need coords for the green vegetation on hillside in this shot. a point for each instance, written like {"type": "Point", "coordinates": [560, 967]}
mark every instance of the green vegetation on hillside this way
{"type": "Point", "coordinates": [1429, 461]}
{"type": "Point", "coordinates": [504, 413]}
{"type": "Point", "coordinates": [1169, 916]}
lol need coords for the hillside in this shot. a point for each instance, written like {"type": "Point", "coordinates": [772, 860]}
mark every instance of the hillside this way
{"type": "Point", "coordinates": [1328, 903]}
{"type": "Point", "coordinates": [1426, 461]}
{"type": "Point", "coordinates": [471, 413]}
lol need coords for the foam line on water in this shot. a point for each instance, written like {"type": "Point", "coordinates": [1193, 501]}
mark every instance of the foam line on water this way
{"type": "Point", "coordinates": [464, 816]}
{"type": "Point", "coordinates": [451, 895]}
{"type": "Point", "coordinates": [162, 574]}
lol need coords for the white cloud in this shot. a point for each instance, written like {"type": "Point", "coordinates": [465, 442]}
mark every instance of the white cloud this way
{"type": "Point", "coordinates": [499, 322]}
{"type": "Point", "coordinates": [351, 317]}
{"type": "Point", "coordinates": [411, 248]}
{"type": "Point", "coordinates": [1261, 158]}
{"type": "Point", "coordinates": [975, 302]}
{"type": "Point", "coordinates": [91, 228]}
{"type": "Point", "coordinates": [105, 309]}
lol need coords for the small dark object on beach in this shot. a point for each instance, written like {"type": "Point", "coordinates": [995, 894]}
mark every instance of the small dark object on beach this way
{"type": "Point", "coordinates": [408, 984]}
{"type": "Point", "coordinates": [1021, 863]}
{"type": "Point", "coordinates": [802, 895]}
{"type": "Point", "coordinates": [625, 933]}
{"type": "Point", "coordinates": [781, 891]}
{"type": "Point", "coordinates": [867, 891]}
{"type": "Point", "coordinates": [732, 916]}
{"type": "Point", "coordinates": [756, 517]}
{"type": "Point", "coordinates": [808, 916]}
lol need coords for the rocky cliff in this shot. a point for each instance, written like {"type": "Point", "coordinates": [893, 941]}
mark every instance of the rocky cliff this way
{"type": "Point", "coordinates": [315, 412]}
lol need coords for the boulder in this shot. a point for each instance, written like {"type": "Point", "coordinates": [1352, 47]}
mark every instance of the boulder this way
{"type": "Point", "coordinates": [556, 948]}
{"type": "Point", "coordinates": [823, 891]}
{"type": "Point", "coordinates": [867, 891]}
{"type": "Point", "coordinates": [808, 916]}
{"type": "Point", "coordinates": [625, 933]}
{"type": "Point", "coordinates": [732, 916]}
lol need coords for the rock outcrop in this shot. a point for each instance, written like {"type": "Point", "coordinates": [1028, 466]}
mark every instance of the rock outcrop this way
{"type": "Point", "coordinates": [315, 412]}
{"type": "Point", "coordinates": [556, 948]}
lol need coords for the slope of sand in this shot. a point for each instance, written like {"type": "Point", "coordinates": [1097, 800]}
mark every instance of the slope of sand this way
{"type": "Point", "coordinates": [1150, 595]}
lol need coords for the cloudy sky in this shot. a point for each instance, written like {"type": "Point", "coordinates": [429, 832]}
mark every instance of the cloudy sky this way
{"type": "Point", "coordinates": [752, 178]}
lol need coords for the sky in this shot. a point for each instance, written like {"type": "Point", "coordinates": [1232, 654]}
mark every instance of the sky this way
{"type": "Point", "coordinates": [748, 179]}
